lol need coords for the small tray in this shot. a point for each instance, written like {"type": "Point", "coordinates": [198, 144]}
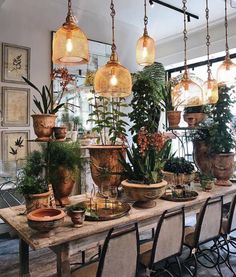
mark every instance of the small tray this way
{"type": "Point", "coordinates": [190, 195]}
{"type": "Point", "coordinates": [107, 211]}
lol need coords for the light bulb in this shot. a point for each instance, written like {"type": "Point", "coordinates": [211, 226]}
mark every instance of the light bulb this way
{"type": "Point", "coordinates": [145, 52]}
{"type": "Point", "coordinates": [210, 88]}
{"type": "Point", "coordinates": [69, 45]}
{"type": "Point", "coordinates": [113, 80]}
{"type": "Point", "coordinates": [226, 72]}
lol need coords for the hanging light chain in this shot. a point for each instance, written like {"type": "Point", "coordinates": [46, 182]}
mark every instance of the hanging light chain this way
{"type": "Point", "coordinates": [145, 17]}
{"type": "Point", "coordinates": [113, 13]}
{"type": "Point", "coordinates": [185, 35]}
{"type": "Point", "coordinates": [208, 40]}
{"type": "Point", "coordinates": [226, 32]}
{"type": "Point", "coordinates": [69, 8]}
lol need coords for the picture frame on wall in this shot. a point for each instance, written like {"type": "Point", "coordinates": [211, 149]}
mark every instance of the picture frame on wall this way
{"type": "Point", "coordinates": [15, 107]}
{"type": "Point", "coordinates": [15, 63]}
{"type": "Point", "coordinates": [8, 140]}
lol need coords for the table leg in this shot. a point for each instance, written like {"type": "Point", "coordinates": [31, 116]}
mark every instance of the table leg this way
{"type": "Point", "coordinates": [63, 261]}
{"type": "Point", "coordinates": [24, 258]}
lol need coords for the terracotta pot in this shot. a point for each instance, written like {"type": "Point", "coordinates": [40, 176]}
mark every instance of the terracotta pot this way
{"type": "Point", "coordinates": [37, 201]}
{"type": "Point", "coordinates": [144, 195]}
{"type": "Point", "coordinates": [77, 217]}
{"type": "Point", "coordinates": [223, 168]}
{"type": "Point", "coordinates": [43, 126]}
{"type": "Point", "coordinates": [63, 184]}
{"type": "Point", "coordinates": [44, 220]}
{"type": "Point", "coordinates": [106, 158]}
{"type": "Point", "coordinates": [173, 118]}
{"type": "Point", "coordinates": [60, 133]}
{"type": "Point", "coordinates": [202, 158]}
{"type": "Point", "coordinates": [193, 119]}
{"type": "Point", "coordinates": [178, 179]}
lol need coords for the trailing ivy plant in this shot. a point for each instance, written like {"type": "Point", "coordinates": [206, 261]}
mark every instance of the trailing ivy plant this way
{"type": "Point", "coordinates": [108, 118]}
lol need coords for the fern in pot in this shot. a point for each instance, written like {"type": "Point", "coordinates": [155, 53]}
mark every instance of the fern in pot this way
{"type": "Point", "coordinates": [32, 183]}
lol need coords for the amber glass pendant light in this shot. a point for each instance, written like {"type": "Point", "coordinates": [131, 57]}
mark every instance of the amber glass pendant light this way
{"type": "Point", "coordinates": [145, 49]}
{"type": "Point", "coordinates": [113, 79]}
{"type": "Point", "coordinates": [210, 87]}
{"type": "Point", "coordinates": [186, 93]}
{"type": "Point", "coordinates": [70, 45]}
{"type": "Point", "coordinates": [226, 72]}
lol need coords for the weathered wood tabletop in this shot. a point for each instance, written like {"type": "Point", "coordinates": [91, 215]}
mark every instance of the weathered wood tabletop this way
{"type": "Point", "coordinates": [67, 239]}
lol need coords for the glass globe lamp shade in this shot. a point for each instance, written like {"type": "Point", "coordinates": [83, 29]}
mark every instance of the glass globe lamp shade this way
{"type": "Point", "coordinates": [113, 80]}
{"type": "Point", "coordinates": [70, 46]}
{"type": "Point", "coordinates": [187, 94]}
{"type": "Point", "coordinates": [226, 72]}
{"type": "Point", "coordinates": [145, 50]}
{"type": "Point", "coordinates": [210, 89]}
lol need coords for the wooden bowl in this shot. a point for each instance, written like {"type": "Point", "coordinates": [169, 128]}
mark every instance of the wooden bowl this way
{"type": "Point", "coordinates": [44, 220]}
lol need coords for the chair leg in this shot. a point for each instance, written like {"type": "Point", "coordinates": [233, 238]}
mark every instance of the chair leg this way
{"type": "Point", "coordinates": [191, 258]}
{"type": "Point", "coordinates": [179, 266]}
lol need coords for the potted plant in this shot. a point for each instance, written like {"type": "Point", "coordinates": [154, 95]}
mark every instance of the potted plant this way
{"type": "Point", "coordinates": [108, 119]}
{"type": "Point", "coordinates": [143, 170]}
{"type": "Point", "coordinates": [77, 213]}
{"type": "Point", "coordinates": [206, 182]}
{"type": "Point", "coordinates": [44, 119]}
{"type": "Point", "coordinates": [32, 183]}
{"type": "Point", "coordinates": [173, 115]}
{"type": "Point", "coordinates": [64, 162]}
{"type": "Point", "coordinates": [217, 137]}
{"type": "Point", "coordinates": [178, 171]}
{"type": "Point", "coordinates": [76, 122]}
{"type": "Point", "coordinates": [145, 104]}
{"type": "Point", "coordinates": [194, 115]}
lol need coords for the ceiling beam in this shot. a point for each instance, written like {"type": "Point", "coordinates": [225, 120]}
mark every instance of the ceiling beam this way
{"type": "Point", "coordinates": [1, 2]}
{"type": "Point", "coordinates": [189, 15]}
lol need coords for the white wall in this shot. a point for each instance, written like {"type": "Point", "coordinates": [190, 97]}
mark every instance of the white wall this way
{"type": "Point", "coordinates": [170, 50]}
{"type": "Point", "coordinates": [30, 22]}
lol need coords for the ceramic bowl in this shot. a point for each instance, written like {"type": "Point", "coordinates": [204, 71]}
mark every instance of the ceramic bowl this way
{"type": "Point", "coordinates": [44, 220]}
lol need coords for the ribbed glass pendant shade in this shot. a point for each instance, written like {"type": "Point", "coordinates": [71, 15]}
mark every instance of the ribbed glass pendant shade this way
{"type": "Point", "coordinates": [70, 45]}
{"type": "Point", "coordinates": [226, 73]}
{"type": "Point", "coordinates": [187, 93]}
{"type": "Point", "coordinates": [145, 51]}
{"type": "Point", "coordinates": [113, 80]}
{"type": "Point", "coordinates": [210, 89]}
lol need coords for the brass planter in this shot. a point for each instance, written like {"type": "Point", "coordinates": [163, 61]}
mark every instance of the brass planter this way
{"type": "Point", "coordinates": [43, 126]}
{"type": "Point", "coordinates": [202, 158]}
{"type": "Point", "coordinates": [63, 182]}
{"type": "Point", "coordinates": [223, 168]}
{"type": "Point", "coordinates": [37, 201]}
{"type": "Point", "coordinates": [193, 119]}
{"type": "Point", "coordinates": [60, 133]}
{"type": "Point", "coordinates": [105, 161]}
{"type": "Point", "coordinates": [173, 118]}
{"type": "Point", "coordinates": [144, 195]}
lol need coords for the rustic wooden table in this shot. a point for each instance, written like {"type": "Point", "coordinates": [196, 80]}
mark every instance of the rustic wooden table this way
{"type": "Point", "coordinates": [67, 240]}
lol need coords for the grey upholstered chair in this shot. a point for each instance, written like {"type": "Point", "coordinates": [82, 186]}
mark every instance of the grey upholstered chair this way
{"type": "Point", "coordinates": [208, 229]}
{"type": "Point", "coordinates": [167, 243]}
{"type": "Point", "coordinates": [119, 256]}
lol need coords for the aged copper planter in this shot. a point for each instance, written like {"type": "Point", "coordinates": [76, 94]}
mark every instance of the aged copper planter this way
{"type": "Point", "coordinates": [60, 133]}
{"type": "Point", "coordinates": [144, 195]}
{"type": "Point", "coordinates": [77, 217]}
{"type": "Point", "coordinates": [202, 157]}
{"type": "Point", "coordinates": [105, 166]}
{"type": "Point", "coordinates": [37, 201]}
{"type": "Point", "coordinates": [173, 118]}
{"type": "Point", "coordinates": [223, 168]}
{"type": "Point", "coordinates": [43, 126]}
{"type": "Point", "coordinates": [193, 119]}
{"type": "Point", "coordinates": [63, 185]}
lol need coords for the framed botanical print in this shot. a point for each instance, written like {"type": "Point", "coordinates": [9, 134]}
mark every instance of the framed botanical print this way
{"type": "Point", "coordinates": [8, 141]}
{"type": "Point", "coordinates": [15, 63]}
{"type": "Point", "coordinates": [15, 107]}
